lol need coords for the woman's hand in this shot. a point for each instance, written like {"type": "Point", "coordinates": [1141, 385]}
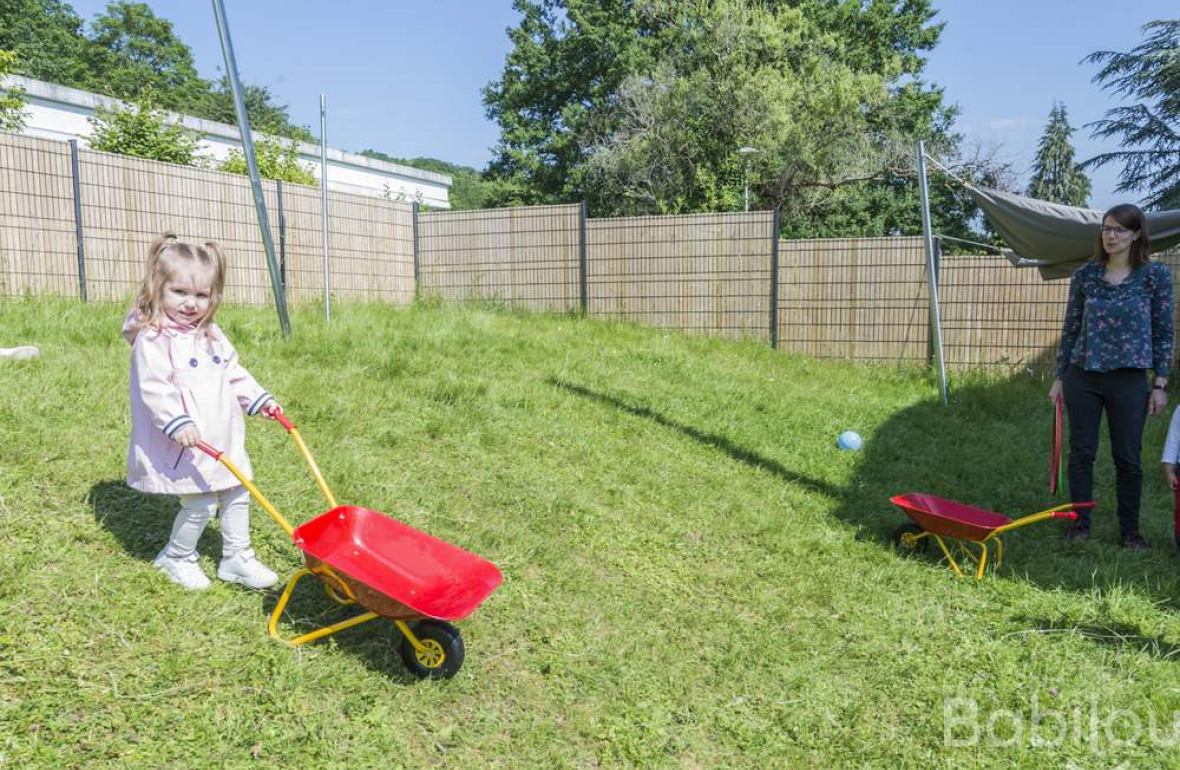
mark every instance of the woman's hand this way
{"type": "Point", "coordinates": [1055, 391]}
{"type": "Point", "coordinates": [1157, 401]}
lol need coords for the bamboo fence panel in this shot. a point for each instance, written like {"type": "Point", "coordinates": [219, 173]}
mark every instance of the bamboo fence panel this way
{"type": "Point", "coordinates": [524, 257]}
{"type": "Point", "coordinates": [996, 315]}
{"type": "Point", "coordinates": [370, 246]}
{"type": "Point", "coordinates": [700, 273]}
{"type": "Point", "coordinates": [857, 299]}
{"type": "Point", "coordinates": [127, 202]}
{"type": "Point", "coordinates": [38, 248]}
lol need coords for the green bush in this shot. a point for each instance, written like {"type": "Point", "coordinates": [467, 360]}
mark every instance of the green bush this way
{"type": "Point", "coordinates": [12, 100]}
{"type": "Point", "coordinates": [275, 161]}
{"type": "Point", "coordinates": [140, 130]}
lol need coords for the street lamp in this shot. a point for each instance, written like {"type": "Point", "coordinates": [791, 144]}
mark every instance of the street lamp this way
{"type": "Point", "coordinates": [746, 152]}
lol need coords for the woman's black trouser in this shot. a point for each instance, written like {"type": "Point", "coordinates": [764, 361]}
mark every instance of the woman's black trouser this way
{"type": "Point", "coordinates": [1123, 393]}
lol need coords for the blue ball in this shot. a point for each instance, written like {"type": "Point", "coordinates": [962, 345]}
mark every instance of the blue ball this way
{"type": "Point", "coordinates": [849, 441]}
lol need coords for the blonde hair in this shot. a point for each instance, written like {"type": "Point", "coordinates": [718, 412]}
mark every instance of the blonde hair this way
{"type": "Point", "coordinates": [165, 256]}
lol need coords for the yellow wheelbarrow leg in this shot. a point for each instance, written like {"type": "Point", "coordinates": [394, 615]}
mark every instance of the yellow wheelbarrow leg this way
{"type": "Point", "coordinates": [273, 626]}
{"type": "Point", "coordinates": [946, 552]}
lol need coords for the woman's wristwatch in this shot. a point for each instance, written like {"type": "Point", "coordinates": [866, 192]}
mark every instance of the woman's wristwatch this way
{"type": "Point", "coordinates": [1160, 386]}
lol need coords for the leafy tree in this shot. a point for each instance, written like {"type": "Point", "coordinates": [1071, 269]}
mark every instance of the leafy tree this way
{"type": "Point", "coordinates": [46, 36]}
{"type": "Point", "coordinates": [12, 100]}
{"type": "Point", "coordinates": [468, 189]}
{"type": "Point", "coordinates": [134, 50]}
{"type": "Point", "coordinates": [141, 130]}
{"type": "Point", "coordinates": [1149, 131]}
{"type": "Point", "coordinates": [275, 161]}
{"type": "Point", "coordinates": [264, 114]}
{"type": "Point", "coordinates": [641, 108]}
{"type": "Point", "coordinates": [1056, 176]}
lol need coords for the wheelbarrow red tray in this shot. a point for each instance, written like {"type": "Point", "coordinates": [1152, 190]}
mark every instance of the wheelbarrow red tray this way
{"type": "Point", "coordinates": [427, 575]}
{"type": "Point", "coordinates": [949, 517]}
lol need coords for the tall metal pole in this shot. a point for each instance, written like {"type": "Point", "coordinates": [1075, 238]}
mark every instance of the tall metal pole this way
{"type": "Point", "coordinates": [931, 268]}
{"type": "Point", "coordinates": [231, 71]}
{"type": "Point", "coordinates": [324, 204]}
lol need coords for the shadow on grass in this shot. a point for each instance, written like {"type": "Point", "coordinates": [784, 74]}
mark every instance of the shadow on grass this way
{"type": "Point", "coordinates": [142, 523]}
{"type": "Point", "coordinates": [989, 448]}
{"type": "Point", "coordinates": [1118, 635]}
{"type": "Point", "coordinates": [721, 443]}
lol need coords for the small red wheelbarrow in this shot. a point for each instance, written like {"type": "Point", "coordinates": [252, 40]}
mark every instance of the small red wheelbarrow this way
{"type": "Point", "coordinates": [937, 517]}
{"type": "Point", "coordinates": [391, 569]}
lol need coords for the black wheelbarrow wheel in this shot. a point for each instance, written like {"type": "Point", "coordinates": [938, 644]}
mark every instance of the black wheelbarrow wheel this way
{"type": "Point", "coordinates": [906, 539]}
{"type": "Point", "coordinates": [443, 654]}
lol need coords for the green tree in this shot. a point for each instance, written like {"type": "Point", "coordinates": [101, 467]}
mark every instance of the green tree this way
{"type": "Point", "coordinates": [46, 36]}
{"type": "Point", "coordinates": [642, 107]}
{"type": "Point", "coordinates": [1056, 176]}
{"type": "Point", "coordinates": [468, 189]}
{"type": "Point", "coordinates": [275, 159]}
{"type": "Point", "coordinates": [134, 50]}
{"type": "Point", "coordinates": [264, 114]}
{"type": "Point", "coordinates": [142, 131]}
{"type": "Point", "coordinates": [12, 100]}
{"type": "Point", "coordinates": [1148, 131]}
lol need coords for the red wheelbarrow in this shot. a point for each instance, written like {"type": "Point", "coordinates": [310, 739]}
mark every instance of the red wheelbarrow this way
{"type": "Point", "coordinates": [391, 569]}
{"type": "Point", "coordinates": [937, 517]}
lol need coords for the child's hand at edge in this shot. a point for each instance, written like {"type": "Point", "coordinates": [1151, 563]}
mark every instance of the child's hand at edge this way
{"type": "Point", "coordinates": [1170, 475]}
{"type": "Point", "coordinates": [187, 436]}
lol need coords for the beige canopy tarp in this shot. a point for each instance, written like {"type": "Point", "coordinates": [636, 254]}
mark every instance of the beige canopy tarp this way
{"type": "Point", "coordinates": [1054, 238]}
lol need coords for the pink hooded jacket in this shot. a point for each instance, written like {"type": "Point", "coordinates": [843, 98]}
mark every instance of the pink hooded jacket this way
{"type": "Point", "coordinates": [183, 376]}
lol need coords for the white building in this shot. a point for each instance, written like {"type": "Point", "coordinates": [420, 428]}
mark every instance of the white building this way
{"type": "Point", "coordinates": [61, 113]}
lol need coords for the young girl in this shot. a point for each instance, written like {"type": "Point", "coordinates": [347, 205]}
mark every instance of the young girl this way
{"type": "Point", "coordinates": [187, 386]}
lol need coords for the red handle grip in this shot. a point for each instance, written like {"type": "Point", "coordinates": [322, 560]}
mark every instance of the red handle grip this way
{"type": "Point", "coordinates": [278, 416]}
{"type": "Point", "coordinates": [211, 451]}
{"type": "Point", "coordinates": [1090, 504]}
{"type": "Point", "coordinates": [1071, 515]}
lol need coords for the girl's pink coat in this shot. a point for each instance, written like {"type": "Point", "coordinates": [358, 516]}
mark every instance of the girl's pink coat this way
{"type": "Point", "coordinates": [183, 376]}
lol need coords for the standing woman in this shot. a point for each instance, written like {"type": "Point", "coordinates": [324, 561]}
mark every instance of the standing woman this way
{"type": "Point", "coordinates": [1118, 324]}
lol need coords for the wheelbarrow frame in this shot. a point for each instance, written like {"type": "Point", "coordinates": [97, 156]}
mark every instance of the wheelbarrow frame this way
{"type": "Point", "coordinates": [939, 517]}
{"type": "Point", "coordinates": [438, 653]}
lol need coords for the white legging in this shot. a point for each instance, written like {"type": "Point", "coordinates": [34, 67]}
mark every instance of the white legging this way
{"type": "Point", "coordinates": [195, 512]}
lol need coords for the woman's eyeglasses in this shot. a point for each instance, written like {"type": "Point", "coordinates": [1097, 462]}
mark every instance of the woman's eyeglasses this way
{"type": "Point", "coordinates": [1114, 230]}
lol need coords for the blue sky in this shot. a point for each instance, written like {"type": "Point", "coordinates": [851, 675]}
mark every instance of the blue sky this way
{"type": "Point", "coordinates": [405, 77]}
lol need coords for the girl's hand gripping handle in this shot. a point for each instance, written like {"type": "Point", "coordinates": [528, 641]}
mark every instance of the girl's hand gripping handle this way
{"type": "Point", "coordinates": [275, 412]}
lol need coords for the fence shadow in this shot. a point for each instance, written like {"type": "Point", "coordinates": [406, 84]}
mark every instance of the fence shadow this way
{"type": "Point", "coordinates": [714, 440]}
{"type": "Point", "coordinates": [141, 523]}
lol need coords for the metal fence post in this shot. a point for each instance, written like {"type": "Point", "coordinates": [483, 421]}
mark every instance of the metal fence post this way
{"type": "Point", "coordinates": [282, 235]}
{"type": "Point", "coordinates": [417, 267]}
{"type": "Point", "coordinates": [774, 278]}
{"type": "Point", "coordinates": [583, 283]}
{"type": "Point", "coordinates": [75, 173]}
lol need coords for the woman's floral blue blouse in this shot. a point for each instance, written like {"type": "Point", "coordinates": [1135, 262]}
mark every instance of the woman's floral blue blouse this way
{"type": "Point", "coordinates": [1128, 325]}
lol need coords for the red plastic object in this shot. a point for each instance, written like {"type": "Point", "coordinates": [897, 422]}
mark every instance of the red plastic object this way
{"type": "Point", "coordinates": [948, 517]}
{"type": "Point", "coordinates": [427, 575]}
{"type": "Point", "coordinates": [1055, 447]}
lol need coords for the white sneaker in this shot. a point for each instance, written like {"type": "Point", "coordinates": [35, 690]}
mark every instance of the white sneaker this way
{"type": "Point", "coordinates": [184, 571]}
{"type": "Point", "coordinates": [244, 568]}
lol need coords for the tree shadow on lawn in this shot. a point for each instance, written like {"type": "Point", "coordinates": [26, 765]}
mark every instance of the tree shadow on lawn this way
{"type": "Point", "coordinates": [142, 523]}
{"type": "Point", "coordinates": [988, 448]}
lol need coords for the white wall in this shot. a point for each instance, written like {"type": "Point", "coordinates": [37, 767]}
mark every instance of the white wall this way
{"type": "Point", "coordinates": [61, 113]}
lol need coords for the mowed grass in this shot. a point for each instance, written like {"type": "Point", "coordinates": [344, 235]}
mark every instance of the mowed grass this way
{"type": "Point", "coordinates": [694, 575]}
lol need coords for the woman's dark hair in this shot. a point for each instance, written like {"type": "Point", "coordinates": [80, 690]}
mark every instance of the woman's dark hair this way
{"type": "Point", "coordinates": [1131, 217]}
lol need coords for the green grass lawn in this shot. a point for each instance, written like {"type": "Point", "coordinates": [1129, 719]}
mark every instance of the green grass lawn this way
{"type": "Point", "coordinates": [694, 576]}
